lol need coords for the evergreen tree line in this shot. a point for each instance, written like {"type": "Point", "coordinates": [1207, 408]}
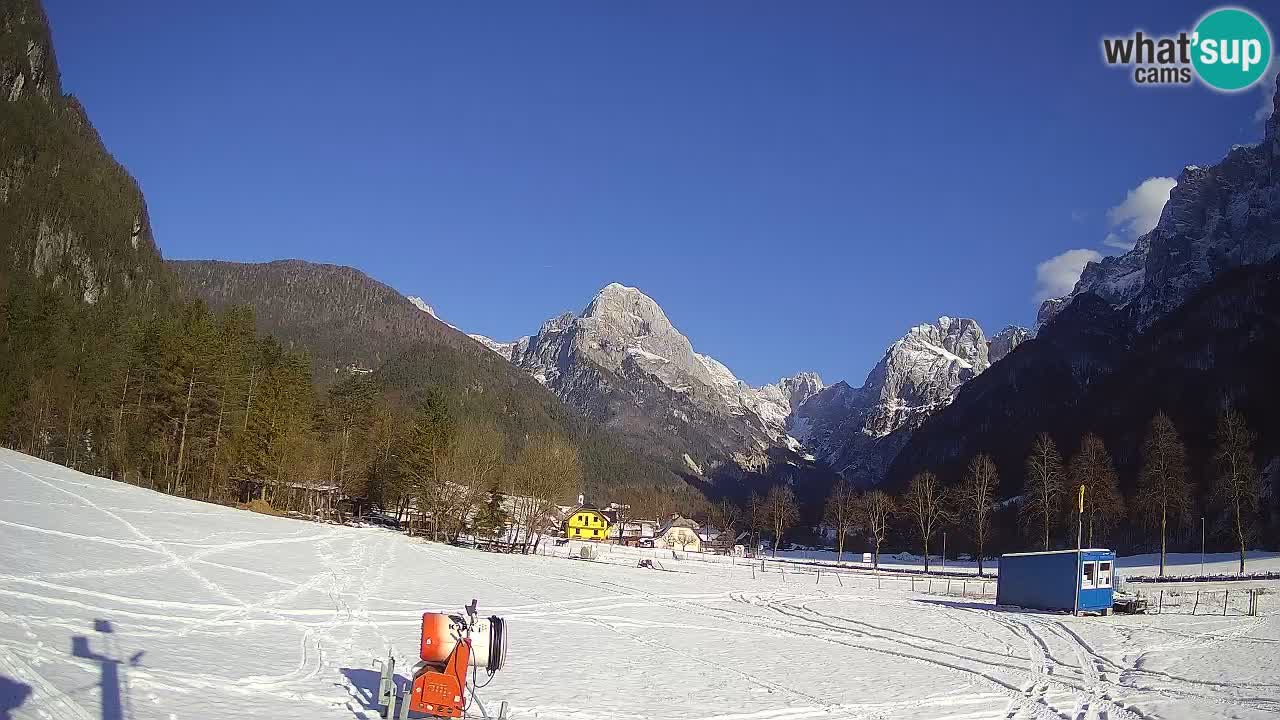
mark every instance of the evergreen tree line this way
{"type": "Point", "coordinates": [1053, 512]}
{"type": "Point", "coordinates": [196, 404]}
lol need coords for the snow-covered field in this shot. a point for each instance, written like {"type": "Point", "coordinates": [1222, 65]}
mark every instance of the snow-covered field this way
{"type": "Point", "coordinates": [120, 603]}
{"type": "Point", "coordinates": [1180, 564]}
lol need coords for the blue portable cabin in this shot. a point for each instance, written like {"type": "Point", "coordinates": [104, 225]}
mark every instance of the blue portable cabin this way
{"type": "Point", "coordinates": [1048, 580]}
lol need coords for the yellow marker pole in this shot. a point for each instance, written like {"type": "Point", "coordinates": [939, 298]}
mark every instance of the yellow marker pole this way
{"type": "Point", "coordinates": [1079, 537]}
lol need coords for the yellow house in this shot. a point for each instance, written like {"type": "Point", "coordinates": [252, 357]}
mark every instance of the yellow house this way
{"type": "Point", "coordinates": [586, 523]}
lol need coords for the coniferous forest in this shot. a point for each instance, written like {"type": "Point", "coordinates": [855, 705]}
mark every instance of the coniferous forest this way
{"type": "Point", "coordinates": [107, 367]}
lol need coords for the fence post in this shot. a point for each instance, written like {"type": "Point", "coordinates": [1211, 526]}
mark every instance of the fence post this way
{"type": "Point", "coordinates": [819, 580]}
{"type": "Point", "coordinates": [1160, 606]}
{"type": "Point", "coordinates": [839, 579]}
{"type": "Point", "coordinates": [1225, 595]}
{"type": "Point", "coordinates": [1193, 607]}
{"type": "Point", "coordinates": [948, 587]}
{"type": "Point", "coordinates": [930, 586]}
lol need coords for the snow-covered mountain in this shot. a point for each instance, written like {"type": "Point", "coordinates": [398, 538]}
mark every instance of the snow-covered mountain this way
{"type": "Point", "coordinates": [623, 362]}
{"type": "Point", "coordinates": [1183, 324]}
{"type": "Point", "coordinates": [857, 431]}
{"type": "Point", "coordinates": [423, 306]}
{"type": "Point", "coordinates": [1005, 341]}
{"type": "Point", "coordinates": [1217, 218]}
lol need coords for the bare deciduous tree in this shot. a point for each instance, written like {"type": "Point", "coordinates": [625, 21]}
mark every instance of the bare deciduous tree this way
{"type": "Point", "coordinates": [875, 507]}
{"type": "Point", "coordinates": [926, 501]}
{"type": "Point", "coordinates": [546, 471]}
{"type": "Point", "coordinates": [842, 513]}
{"type": "Point", "coordinates": [1164, 496]}
{"type": "Point", "coordinates": [977, 495]}
{"type": "Point", "coordinates": [757, 519]}
{"type": "Point", "coordinates": [474, 467]}
{"type": "Point", "coordinates": [725, 516]}
{"type": "Point", "coordinates": [781, 510]}
{"type": "Point", "coordinates": [1238, 484]}
{"type": "Point", "coordinates": [1042, 487]}
{"type": "Point", "coordinates": [1103, 503]}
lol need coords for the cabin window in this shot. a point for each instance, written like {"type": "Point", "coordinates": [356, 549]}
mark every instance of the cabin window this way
{"type": "Point", "coordinates": [1104, 574]}
{"type": "Point", "coordinates": [1089, 575]}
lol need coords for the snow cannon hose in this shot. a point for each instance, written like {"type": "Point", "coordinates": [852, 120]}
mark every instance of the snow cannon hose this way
{"type": "Point", "coordinates": [497, 644]}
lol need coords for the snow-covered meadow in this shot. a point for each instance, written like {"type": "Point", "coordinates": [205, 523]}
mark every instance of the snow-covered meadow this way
{"type": "Point", "coordinates": [120, 603]}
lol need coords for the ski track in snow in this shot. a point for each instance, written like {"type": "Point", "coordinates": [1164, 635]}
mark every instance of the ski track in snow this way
{"type": "Point", "coordinates": [243, 615]}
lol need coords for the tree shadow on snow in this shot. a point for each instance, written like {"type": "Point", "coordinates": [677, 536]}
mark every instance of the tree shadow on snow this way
{"type": "Point", "coordinates": [114, 682]}
{"type": "Point", "coordinates": [12, 695]}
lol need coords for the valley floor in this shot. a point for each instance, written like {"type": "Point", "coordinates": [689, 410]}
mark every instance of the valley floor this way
{"type": "Point", "coordinates": [121, 603]}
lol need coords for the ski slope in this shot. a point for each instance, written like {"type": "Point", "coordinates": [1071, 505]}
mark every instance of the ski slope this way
{"type": "Point", "coordinates": [120, 603]}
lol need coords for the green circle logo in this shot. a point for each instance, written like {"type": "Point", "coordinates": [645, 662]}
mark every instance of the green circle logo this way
{"type": "Point", "coordinates": [1231, 49]}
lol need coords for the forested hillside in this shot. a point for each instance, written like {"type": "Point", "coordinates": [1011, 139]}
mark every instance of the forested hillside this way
{"type": "Point", "coordinates": [340, 315]}
{"type": "Point", "coordinates": [107, 368]}
{"type": "Point", "coordinates": [81, 273]}
{"type": "Point", "coordinates": [1089, 372]}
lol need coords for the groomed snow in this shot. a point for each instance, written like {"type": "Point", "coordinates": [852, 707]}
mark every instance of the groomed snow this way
{"type": "Point", "coordinates": [219, 613]}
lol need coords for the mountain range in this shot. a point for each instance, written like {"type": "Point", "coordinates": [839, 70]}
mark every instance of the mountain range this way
{"type": "Point", "coordinates": [623, 363]}
{"type": "Point", "coordinates": [1186, 323]}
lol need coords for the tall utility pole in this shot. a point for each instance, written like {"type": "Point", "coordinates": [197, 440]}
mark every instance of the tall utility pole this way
{"type": "Point", "coordinates": [944, 551]}
{"type": "Point", "coordinates": [1079, 537]}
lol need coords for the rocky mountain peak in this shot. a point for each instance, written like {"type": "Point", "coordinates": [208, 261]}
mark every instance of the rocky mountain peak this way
{"type": "Point", "coordinates": [27, 64]}
{"type": "Point", "coordinates": [1217, 218]}
{"type": "Point", "coordinates": [422, 305]}
{"type": "Point", "coordinates": [1005, 341]}
{"type": "Point", "coordinates": [927, 365]}
{"type": "Point", "coordinates": [857, 430]}
{"type": "Point", "coordinates": [799, 387]}
{"type": "Point", "coordinates": [1272, 133]}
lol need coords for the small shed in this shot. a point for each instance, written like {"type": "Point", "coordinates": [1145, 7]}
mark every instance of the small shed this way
{"type": "Point", "coordinates": [1050, 580]}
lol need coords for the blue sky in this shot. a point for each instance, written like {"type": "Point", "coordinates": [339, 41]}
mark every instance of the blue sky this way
{"type": "Point", "coordinates": [795, 183]}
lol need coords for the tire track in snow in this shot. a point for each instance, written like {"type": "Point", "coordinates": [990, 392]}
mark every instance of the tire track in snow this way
{"type": "Point", "coordinates": [1040, 709]}
{"type": "Point", "coordinates": [156, 544]}
{"type": "Point", "coordinates": [649, 642]}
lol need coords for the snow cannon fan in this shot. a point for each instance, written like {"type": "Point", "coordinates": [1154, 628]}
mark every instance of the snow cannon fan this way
{"type": "Point", "coordinates": [449, 645]}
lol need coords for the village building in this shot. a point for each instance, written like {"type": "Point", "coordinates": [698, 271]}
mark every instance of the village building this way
{"type": "Point", "coordinates": [678, 533]}
{"type": "Point", "coordinates": [632, 531]}
{"type": "Point", "coordinates": [586, 523]}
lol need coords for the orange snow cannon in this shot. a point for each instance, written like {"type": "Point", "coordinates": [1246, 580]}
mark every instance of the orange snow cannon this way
{"type": "Point", "coordinates": [448, 647]}
{"type": "Point", "coordinates": [441, 679]}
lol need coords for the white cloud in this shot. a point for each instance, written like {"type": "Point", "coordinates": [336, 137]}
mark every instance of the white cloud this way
{"type": "Point", "coordinates": [1139, 212]}
{"type": "Point", "coordinates": [1268, 87]}
{"type": "Point", "coordinates": [1057, 276]}
{"type": "Point", "coordinates": [1115, 241]}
